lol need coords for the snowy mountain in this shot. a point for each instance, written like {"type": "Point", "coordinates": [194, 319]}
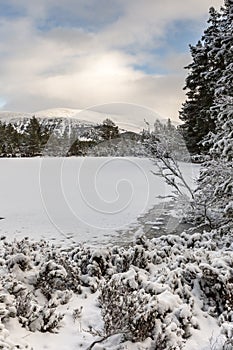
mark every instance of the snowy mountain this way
{"type": "Point", "coordinates": [66, 118]}
{"type": "Point", "coordinates": [62, 121]}
{"type": "Point", "coordinates": [63, 131]}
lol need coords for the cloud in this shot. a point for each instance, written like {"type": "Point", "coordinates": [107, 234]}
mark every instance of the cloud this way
{"type": "Point", "coordinates": [77, 54]}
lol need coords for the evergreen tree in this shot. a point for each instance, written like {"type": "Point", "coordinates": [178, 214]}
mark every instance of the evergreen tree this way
{"type": "Point", "coordinates": [164, 138]}
{"type": "Point", "coordinates": [9, 141]}
{"type": "Point", "coordinates": [214, 194]}
{"type": "Point", "coordinates": [222, 141]}
{"type": "Point", "coordinates": [35, 138]}
{"type": "Point", "coordinates": [204, 71]}
{"type": "Point", "coordinates": [12, 141]}
{"type": "Point", "coordinates": [108, 130]}
{"type": "Point", "coordinates": [2, 139]}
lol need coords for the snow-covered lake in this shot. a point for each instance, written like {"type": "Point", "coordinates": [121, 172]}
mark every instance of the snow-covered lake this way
{"type": "Point", "coordinates": [82, 199]}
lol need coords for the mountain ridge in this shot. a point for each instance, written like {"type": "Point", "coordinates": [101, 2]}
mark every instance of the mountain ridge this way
{"type": "Point", "coordinates": [76, 116]}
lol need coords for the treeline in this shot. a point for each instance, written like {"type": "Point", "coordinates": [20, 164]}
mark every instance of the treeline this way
{"type": "Point", "coordinates": [33, 138]}
{"type": "Point", "coordinates": [27, 142]}
{"type": "Point", "coordinates": [64, 138]}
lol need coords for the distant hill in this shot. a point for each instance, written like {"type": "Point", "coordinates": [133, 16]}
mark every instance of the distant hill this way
{"type": "Point", "coordinates": [75, 117]}
{"type": "Point", "coordinates": [62, 132]}
{"type": "Point", "coordinates": [74, 132]}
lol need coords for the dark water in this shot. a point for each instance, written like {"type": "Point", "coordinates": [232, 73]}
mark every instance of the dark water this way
{"type": "Point", "coordinates": [162, 219]}
{"type": "Point", "coordinates": [158, 221]}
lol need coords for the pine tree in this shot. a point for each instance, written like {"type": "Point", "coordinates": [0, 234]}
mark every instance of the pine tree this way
{"type": "Point", "coordinates": [165, 138]}
{"type": "Point", "coordinates": [215, 186]}
{"type": "Point", "coordinates": [2, 139]}
{"type": "Point", "coordinates": [221, 142]}
{"type": "Point", "coordinates": [108, 130]}
{"type": "Point", "coordinates": [204, 72]}
{"type": "Point", "coordinates": [12, 141]}
{"type": "Point", "coordinates": [35, 138]}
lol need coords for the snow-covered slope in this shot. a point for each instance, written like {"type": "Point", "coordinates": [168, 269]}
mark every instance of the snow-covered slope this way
{"type": "Point", "coordinates": [64, 120]}
{"type": "Point", "coordinates": [8, 116]}
{"type": "Point", "coordinates": [83, 117]}
{"type": "Point", "coordinates": [58, 113]}
{"type": "Point", "coordinates": [126, 116]}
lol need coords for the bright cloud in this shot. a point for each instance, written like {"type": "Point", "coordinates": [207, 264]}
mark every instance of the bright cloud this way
{"type": "Point", "coordinates": [76, 54]}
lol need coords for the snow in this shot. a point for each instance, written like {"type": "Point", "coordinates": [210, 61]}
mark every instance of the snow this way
{"type": "Point", "coordinates": [96, 114]}
{"type": "Point", "coordinates": [167, 301]}
{"type": "Point", "coordinates": [82, 116]}
{"type": "Point", "coordinates": [94, 201]}
{"type": "Point", "coordinates": [120, 113]}
{"type": "Point", "coordinates": [73, 334]}
{"type": "Point", "coordinates": [88, 200]}
{"type": "Point", "coordinates": [152, 282]}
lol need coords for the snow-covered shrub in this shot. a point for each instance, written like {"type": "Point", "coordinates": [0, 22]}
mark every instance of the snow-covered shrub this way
{"type": "Point", "coordinates": [178, 267]}
{"type": "Point", "coordinates": [99, 263]}
{"type": "Point", "coordinates": [227, 331]}
{"type": "Point", "coordinates": [139, 308]}
{"type": "Point", "coordinates": [139, 257]}
{"type": "Point", "coordinates": [217, 286]}
{"type": "Point", "coordinates": [7, 307]}
{"type": "Point", "coordinates": [20, 260]}
{"type": "Point", "coordinates": [36, 317]}
{"type": "Point", "coordinates": [58, 276]}
{"type": "Point", "coordinates": [81, 256]}
{"type": "Point", "coordinates": [149, 289]}
{"type": "Point", "coordinates": [93, 265]}
{"type": "Point", "coordinates": [126, 309]}
{"type": "Point", "coordinates": [51, 277]}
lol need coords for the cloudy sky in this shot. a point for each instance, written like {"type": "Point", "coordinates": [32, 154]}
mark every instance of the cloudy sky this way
{"type": "Point", "coordinates": [80, 53]}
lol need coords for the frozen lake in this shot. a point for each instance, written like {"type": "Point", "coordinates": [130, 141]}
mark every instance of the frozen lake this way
{"type": "Point", "coordinates": [78, 199]}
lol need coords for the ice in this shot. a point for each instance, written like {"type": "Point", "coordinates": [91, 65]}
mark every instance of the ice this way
{"type": "Point", "coordinates": [79, 199]}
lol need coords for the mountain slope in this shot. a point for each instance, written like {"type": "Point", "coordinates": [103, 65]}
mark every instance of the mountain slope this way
{"type": "Point", "coordinates": [78, 116]}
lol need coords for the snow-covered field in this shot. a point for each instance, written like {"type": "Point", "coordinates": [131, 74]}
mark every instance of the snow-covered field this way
{"type": "Point", "coordinates": [172, 291]}
{"type": "Point", "coordinates": [90, 200]}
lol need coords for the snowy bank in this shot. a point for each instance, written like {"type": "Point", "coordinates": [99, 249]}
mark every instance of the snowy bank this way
{"type": "Point", "coordinates": [172, 292]}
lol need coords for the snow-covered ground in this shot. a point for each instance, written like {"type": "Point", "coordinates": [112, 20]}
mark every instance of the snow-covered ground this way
{"type": "Point", "coordinates": [47, 287]}
{"type": "Point", "coordinates": [78, 199]}
{"type": "Point", "coordinates": [176, 278]}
